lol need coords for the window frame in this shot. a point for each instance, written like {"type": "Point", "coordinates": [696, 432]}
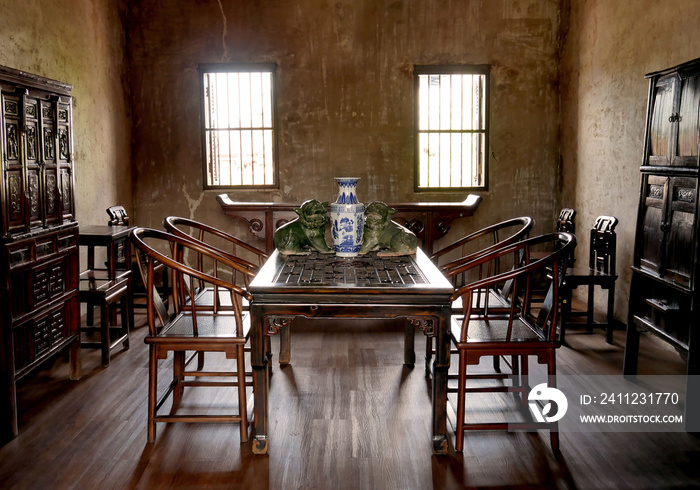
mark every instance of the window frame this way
{"type": "Point", "coordinates": [469, 69]}
{"type": "Point", "coordinates": [242, 68]}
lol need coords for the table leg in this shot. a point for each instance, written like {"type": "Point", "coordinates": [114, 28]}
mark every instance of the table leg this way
{"type": "Point", "coordinates": [629, 366]}
{"type": "Point", "coordinates": [112, 250]}
{"type": "Point", "coordinates": [74, 359]}
{"type": "Point", "coordinates": [91, 257]}
{"type": "Point", "coordinates": [285, 345]}
{"type": "Point", "coordinates": [441, 367]}
{"type": "Point", "coordinates": [259, 362]}
{"type": "Point", "coordinates": [409, 352]}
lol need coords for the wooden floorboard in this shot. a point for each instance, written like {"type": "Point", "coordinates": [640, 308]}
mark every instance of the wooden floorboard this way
{"type": "Point", "coordinates": [345, 414]}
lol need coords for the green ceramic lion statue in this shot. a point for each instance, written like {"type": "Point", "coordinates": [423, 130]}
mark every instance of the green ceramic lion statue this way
{"type": "Point", "coordinates": [383, 233]}
{"type": "Point", "coordinates": [308, 230]}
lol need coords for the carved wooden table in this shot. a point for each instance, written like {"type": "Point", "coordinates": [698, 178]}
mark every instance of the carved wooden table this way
{"type": "Point", "coordinates": [326, 286]}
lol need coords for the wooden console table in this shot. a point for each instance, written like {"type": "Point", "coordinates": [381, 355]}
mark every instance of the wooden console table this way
{"type": "Point", "coordinates": [428, 220]}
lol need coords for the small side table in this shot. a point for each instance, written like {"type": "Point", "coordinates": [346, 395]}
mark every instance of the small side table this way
{"type": "Point", "coordinates": [111, 237]}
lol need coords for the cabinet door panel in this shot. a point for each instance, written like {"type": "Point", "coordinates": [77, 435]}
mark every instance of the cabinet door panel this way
{"type": "Point", "coordinates": [65, 159]}
{"type": "Point", "coordinates": [50, 159]}
{"type": "Point", "coordinates": [14, 209]}
{"type": "Point", "coordinates": [33, 196]}
{"type": "Point", "coordinates": [661, 125]}
{"type": "Point", "coordinates": [51, 196]}
{"type": "Point", "coordinates": [14, 219]}
{"type": "Point", "coordinates": [688, 123]}
{"type": "Point", "coordinates": [681, 244]}
{"type": "Point", "coordinates": [652, 216]}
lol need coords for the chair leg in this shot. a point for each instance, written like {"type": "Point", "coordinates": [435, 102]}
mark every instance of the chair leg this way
{"type": "Point", "coordinates": [552, 382]}
{"type": "Point", "coordinates": [126, 315]}
{"type": "Point", "coordinates": [104, 332]}
{"type": "Point", "coordinates": [565, 312]}
{"type": "Point", "coordinates": [611, 314]}
{"type": "Point", "coordinates": [461, 395]}
{"type": "Point", "coordinates": [589, 308]}
{"type": "Point", "coordinates": [152, 391]}
{"type": "Point", "coordinates": [178, 368]}
{"type": "Point", "coordinates": [242, 404]}
{"type": "Point", "coordinates": [524, 380]}
{"type": "Point", "coordinates": [130, 305]}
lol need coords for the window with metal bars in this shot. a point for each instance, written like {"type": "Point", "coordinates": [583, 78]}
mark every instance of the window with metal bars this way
{"type": "Point", "coordinates": [238, 125]}
{"type": "Point", "coordinates": [451, 127]}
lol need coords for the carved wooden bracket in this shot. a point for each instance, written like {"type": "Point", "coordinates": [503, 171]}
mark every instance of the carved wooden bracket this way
{"type": "Point", "coordinates": [275, 323]}
{"type": "Point", "coordinates": [426, 325]}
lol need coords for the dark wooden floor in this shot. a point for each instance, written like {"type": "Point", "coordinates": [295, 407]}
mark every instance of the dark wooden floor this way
{"type": "Point", "coordinates": [346, 414]}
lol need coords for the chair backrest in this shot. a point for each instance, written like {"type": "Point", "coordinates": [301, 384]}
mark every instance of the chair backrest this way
{"type": "Point", "coordinates": [150, 244]}
{"type": "Point", "coordinates": [565, 221]}
{"type": "Point", "coordinates": [215, 238]}
{"type": "Point", "coordinates": [551, 265]}
{"type": "Point", "coordinates": [485, 241]}
{"type": "Point", "coordinates": [603, 245]}
{"type": "Point", "coordinates": [117, 216]}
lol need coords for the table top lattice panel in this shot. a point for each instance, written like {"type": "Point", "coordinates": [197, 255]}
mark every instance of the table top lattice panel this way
{"type": "Point", "coordinates": [371, 270]}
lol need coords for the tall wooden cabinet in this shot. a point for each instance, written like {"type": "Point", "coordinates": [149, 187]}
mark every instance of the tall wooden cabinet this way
{"type": "Point", "coordinates": [664, 296]}
{"type": "Point", "coordinates": [39, 302]}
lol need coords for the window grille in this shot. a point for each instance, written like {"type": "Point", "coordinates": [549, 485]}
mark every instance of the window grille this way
{"type": "Point", "coordinates": [451, 127]}
{"type": "Point", "coordinates": [238, 126]}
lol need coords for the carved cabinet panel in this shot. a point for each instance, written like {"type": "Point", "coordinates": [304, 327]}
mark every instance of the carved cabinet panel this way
{"type": "Point", "coordinates": [37, 144]}
{"type": "Point", "coordinates": [39, 300]}
{"type": "Point", "coordinates": [667, 220]}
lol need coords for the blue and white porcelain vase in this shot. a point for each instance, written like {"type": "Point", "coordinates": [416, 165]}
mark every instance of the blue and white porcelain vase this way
{"type": "Point", "coordinates": [347, 218]}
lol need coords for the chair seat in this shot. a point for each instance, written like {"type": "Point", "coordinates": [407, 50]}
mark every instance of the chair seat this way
{"type": "Point", "coordinates": [586, 275]}
{"type": "Point", "coordinates": [219, 327]}
{"type": "Point", "coordinates": [101, 287]}
{"type": "Point", "coordinates": [102, 274]}
{"type": "Point", "coordinates": [488, 331]}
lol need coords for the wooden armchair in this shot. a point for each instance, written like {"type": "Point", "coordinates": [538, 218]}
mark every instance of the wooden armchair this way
{"type": "Point", "coordinates": [230, 246]}
{"type": "Point", "coordinates": [599, 272]}
{"type": "Point", "coordinates": [191, 328]}
{"type": "Point", "coordinates": [482, 242]}
{"type": "Point", "coordinates": [519, 334]}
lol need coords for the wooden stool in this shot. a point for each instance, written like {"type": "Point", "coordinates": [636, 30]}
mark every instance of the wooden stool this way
{"type": "Point", "coordinates": [97, 288]}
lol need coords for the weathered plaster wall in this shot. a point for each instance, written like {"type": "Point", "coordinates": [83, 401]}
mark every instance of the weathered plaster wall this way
{"type": "Point", "coordinates": [80, 42]}
{"type": "Point", "coordinates": [610, 46]}
{"type": "Point", "coordinates": [345, 96]}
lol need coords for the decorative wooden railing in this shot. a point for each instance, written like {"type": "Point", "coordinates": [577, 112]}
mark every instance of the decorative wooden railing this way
{"type": "Point", "coordinates": [428, 220]}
